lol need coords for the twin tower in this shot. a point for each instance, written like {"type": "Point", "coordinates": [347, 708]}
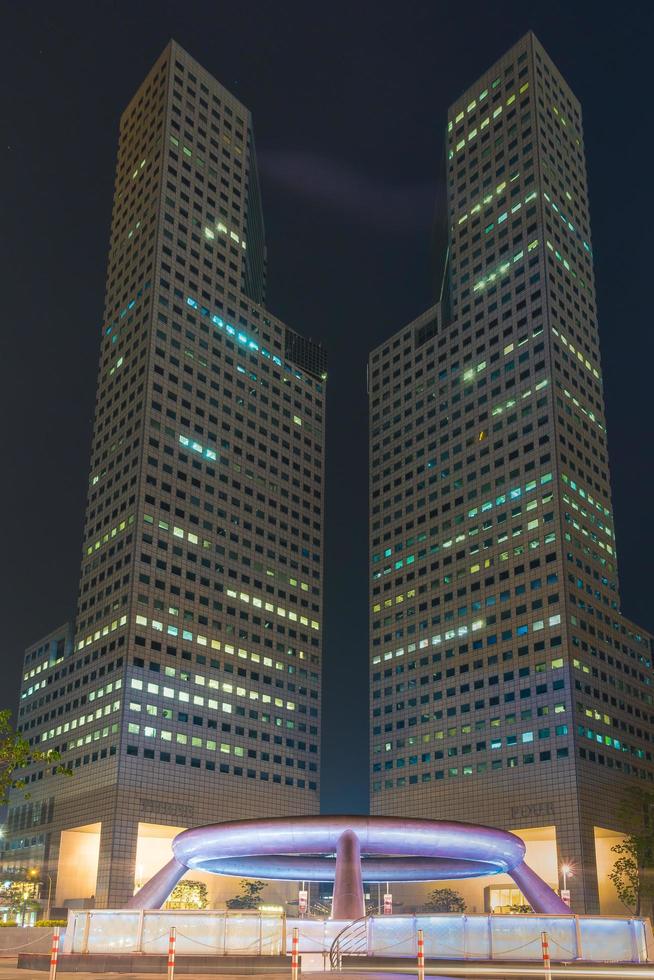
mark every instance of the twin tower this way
{"type": "Point", "coordinates": [507, 688]}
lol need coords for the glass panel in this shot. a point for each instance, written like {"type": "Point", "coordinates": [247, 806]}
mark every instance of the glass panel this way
{"type": "Point", "coordinates": [155, 933]}
{"type": "Point", "coordinates": [562, 938]}
{"type": "Point", "coordinates": [111, 933]}
{"type": "Point", "coordinates": [242, 932]}
{"type": "Point", "coordinates": [477, 936]}
{"type": "Point", "coordinates": [393, 936]}
{"type": "Point", "coordinates": [608, 939]}
{"type": "Point", "coordinates": [515, 939]}
{"type": "Point", "coordinates": [271, 935]}
{"type": "Point", "coordinates": [195, 932]}
{"type": "Point", "coordinates": [444, 936]}
{"type": "Point", "coordinates": [311, 934]}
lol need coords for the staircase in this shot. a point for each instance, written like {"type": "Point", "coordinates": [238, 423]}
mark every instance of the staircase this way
{"type": "Point", "coordinates": [352, 940]}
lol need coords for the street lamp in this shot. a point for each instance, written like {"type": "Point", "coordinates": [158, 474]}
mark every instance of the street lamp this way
{"type": "Point", "coordinates": [47, 911]}
{"type": "Point", "coordinates": [567, 870]}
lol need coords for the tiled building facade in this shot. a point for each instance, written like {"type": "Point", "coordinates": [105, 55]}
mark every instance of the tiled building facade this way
{"type": "Point", "coordinates": [192, 691]}
{"type": "Point", "coordinates": [506, 686]}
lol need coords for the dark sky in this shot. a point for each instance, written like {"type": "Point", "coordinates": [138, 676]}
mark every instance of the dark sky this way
{"type": "Point", "coordinates": [349, 103]}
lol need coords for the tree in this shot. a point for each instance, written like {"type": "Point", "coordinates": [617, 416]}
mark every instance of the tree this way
{"type": "Point", "coordinates": [16, 755]}
{"type": "Point", "coordinates": [632, 874]}
{"type": "Point", "coordinates": [188, 895]}
{"type": "Point", "coordinates": [624, 874]}
{"type": "Point", "coordinates": [20, 895]}
{"type": "Point", "coordinates": [444, 900]}
{"type": "Point", "coordinates": [250, 895]}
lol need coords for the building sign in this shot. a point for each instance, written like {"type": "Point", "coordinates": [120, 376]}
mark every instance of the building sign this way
{"type": "Point", "coordinates": [532, 811]}
{"type": "Point", "coordinates": [303, 901]}
{"type": "Point", "coordinates": [161, 809]}
{"type": "Point", "coordinates": [565, 896]}
{"type": "Point", "coordinates": [388, 904]}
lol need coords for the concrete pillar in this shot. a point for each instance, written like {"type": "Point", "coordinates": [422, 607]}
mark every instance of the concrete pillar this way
{"type": "Point", "coordinates": [585, 879]}
{"type": "Point", "coordinates": [118, 840]}
{"type": "Point", "coordinates": [348, 901]}
{"type": "Point", "coordinates": [539, 894]}
{"type": "Point", "coordinates": [158, 888]}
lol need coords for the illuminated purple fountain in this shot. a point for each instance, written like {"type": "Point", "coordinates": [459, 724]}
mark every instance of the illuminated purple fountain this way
{"type": "Point", "coordinates": [349, 850]}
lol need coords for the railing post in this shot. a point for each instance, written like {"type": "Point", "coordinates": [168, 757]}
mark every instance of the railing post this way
{"type": "Point", "coordinates": [172, 941]}
{"type": "Point", "coordinates": [545, 946]}
{"type": "Point", "coordinates": [54, 953]}
{"type": "Point", "coordinates": [85, 934]}
{"type": "Point", "coordinates": [635, 946]}
{"type": "Point", "coordinates": [421, 955]}
{"type": "Point", "coordinates": [139, 933]}
{"type": "Point", "coordinates": [579, 950]}
{"type": "Point", "coordinates": [295, 971]}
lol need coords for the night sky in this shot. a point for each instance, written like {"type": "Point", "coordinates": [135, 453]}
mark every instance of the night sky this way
{"type": "Point", "coordinates": [349, 103]}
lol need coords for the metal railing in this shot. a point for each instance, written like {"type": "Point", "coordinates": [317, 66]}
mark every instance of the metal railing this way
{"type": "Point", "coordinates": [352, 940]}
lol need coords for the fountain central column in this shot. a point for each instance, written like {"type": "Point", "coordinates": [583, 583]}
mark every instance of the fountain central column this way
{"type": "Point", "coordinates": [348, 901]}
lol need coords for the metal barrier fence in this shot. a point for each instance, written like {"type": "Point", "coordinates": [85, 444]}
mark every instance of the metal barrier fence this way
{"type": "Point", "coordinates": [465, 937]}
{"type": "Point", "coordinates": [203, 933]}
{"type": "Point", "coordinates": [488, 937]}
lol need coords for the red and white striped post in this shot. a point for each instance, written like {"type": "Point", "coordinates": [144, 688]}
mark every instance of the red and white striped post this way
{"type": "Point", "coordinates": [421, 955]}
{"type": "Point", "coordinates": [172, 941]}
{"type": "Point", "coordinates": [295, 958]}
{"type": "Point", "coordinates": [547, 964]}
{"type": "Point", "coordinates": [54, 953]}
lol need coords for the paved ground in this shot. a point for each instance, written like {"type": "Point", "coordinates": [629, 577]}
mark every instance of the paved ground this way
{"type": "Point", "coordinates": [8, 971]}
{"type": "Point", "coordinates": [611, 973]}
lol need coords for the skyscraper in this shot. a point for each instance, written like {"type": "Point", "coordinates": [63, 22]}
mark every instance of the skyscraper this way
{"type": "Point", "coordinates": [507, 687]}
{"type": "Point", "coordinates": [192, 691]}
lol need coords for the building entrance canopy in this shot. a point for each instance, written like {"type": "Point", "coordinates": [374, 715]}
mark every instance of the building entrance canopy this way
{"type": "Point", "coordinates": [349, 850]}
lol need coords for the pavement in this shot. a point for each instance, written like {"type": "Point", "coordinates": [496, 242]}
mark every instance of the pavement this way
{"type": "Point", "coordinates": [470, 971]}
{"type": "Point", "coordinates": [610, 973]}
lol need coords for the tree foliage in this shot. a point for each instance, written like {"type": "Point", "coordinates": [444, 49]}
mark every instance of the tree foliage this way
{"type": "Point", "coordinates": [444, 900]}
{"type": "Point", "coordinates": [250, 896]}
{"type": "Point", "coordinates": [20, 896]}
{"type": "Point", "coordinates": [632, 874]}
{"type": "Point", "coordinates": [16, 755]}
{"type": "Point", "coordinates": [624, 874]}
{"type": "Point", "coordinates": [188, 895]}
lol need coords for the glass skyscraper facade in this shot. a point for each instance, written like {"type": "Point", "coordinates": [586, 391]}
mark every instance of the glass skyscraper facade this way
{"type": "Point", "coordinates": [506, 685]}
{"type": "Point", "coordinates": [191, 692]}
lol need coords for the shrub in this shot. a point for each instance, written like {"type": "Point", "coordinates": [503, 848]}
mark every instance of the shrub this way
{"type": "Point", "coordinates": [50, 922]}
{"type": "Point", "coordinates": [444, 900]}
{"type": "Point", "coordinates": [8, 925]}
{"type": "Point", "coordinates": [188, 895]}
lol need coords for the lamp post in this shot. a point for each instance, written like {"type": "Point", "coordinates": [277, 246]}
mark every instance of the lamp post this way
{"type": "Point", "coordinates": [567, 872]}
{"type": "Point", "coordinates": [47, 910]}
